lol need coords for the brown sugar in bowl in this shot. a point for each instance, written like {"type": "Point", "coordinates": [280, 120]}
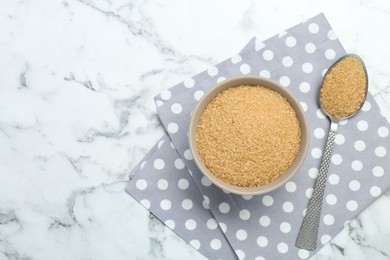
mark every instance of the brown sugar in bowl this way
{"type": "Point", "coordinates": [244, 146]}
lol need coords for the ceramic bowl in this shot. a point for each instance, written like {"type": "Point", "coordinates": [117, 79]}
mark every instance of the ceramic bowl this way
{"type": "Point", "coordinates": [250, 80]}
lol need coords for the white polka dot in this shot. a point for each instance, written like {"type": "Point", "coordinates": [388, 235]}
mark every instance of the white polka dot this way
{"type": "Point", "coordinates": [260, 258]}
{"type": "Point", "coordinates": [236, 59]}
{"type": "Point", "coordinates": [247, 197]}
{"type": "Point", "coordinates": [195, 243]}
{"type": "Point", "coordinates": [141, 184]}
{"type": "Point", "coordinates": [285, 227]}
{"type": "Point", "coordinates": [309, 192]}
{"type": "Point", "coordinates": [331, 199]}
{"type": "Point", "coordinates": [170, 223]}
{"type": "Point", "coordinates": [212, 224]}
{"type": "Point", "coordinates": [187, 204]}
{"type": "Point", "coordinates": [291, 41]}
{"type": "Point", "coordinates": [313, 173]}
{"type": "Point", "coordinates": [304, 106]}
{"type": "Point", "coordinates": [244, 214]}
{"type": "Point", "coordinates": [262, 241]}
{"type": "Point", "coordinates": [331, 35]}
{"type": "Point", "coordinates": [224, 207]}
{"type": "Point", "coordinates": [303, 253]}
{"type": "Point", "coordinates": [165, 204]}
{"type": "Point", "coordinates": [316, 152]}
{"type": "Point", "coordinates": [223, 227]}
{"type": "Point", "coordinates": [179, 164]}
{"type": "Point", "coordinates": [328, 219]}
{"type": "Point", "coordinates": [310, 47]}
{"type": "Point", "coordinates": [162, 184]}
{"type": "Point", "coordinates": [343, 122]}
{"type": "Point", "coordinates": [220, 79]}
{"type": "Point", "coordinates": [212, 71]}
{"type": "Point", "coordinates": [265, 74]}
{"type": "Point", "coordinates": [145, 203]}
{"type": "Point", "coordinates": [383, 131]}
{"type": "Point", "coordinates": [366, 106]}
{"type": "Point", "coordinates": [259, 44]}
{"type": "Point", "coordinates": [352, 205]}
{"type": "Point", "coordinates": [324, 72]}
{"type": "Point", "coordinates": [320, 114]}
{"type": "Point", "coordinates": [215, 244]}
{"type": "Point", "coordinates": [173, 128]}
{"type": "Point", "coordinates": [240, 254]}
{"type": "Point", "coordinates": [206, 202]}
{"type": "Point", "coordinates": [340, 139]}
{"type": "Point", "coordinates": [362, 125]}
{"type": "Point", "coordinates": [319, 133]}
{"type": "Point", "coordinates": [190, 224]}
{"type": "Point", "coordinates": [264, 221]}
{"type": "Point", "coordinates": [288, 207]}
{"type": "Point", "coordinates": [189, 83]}
{"type": "Point", "coordinates": [375, 191]}
{"type": "Point", "coordinates": [304, 87]}
{"type": "Point", "coordinates": [290, 186]}
{"type": "Point", "coordinates": [183, 184]}
{"type": "Point", "coordinates": [159, 103]}
{"type": "Point", "coordinates": [176, 108]}
{"type": "Point", "coordinates": [160, 143]}
{"type": "Point", "coordinates": [380, 151]}
{"type": "Point", "coordinates": [359, 145]}
{"type": "Point", "coordinates": [334, 179]}
{"type": "Point", "coordinates": [205, 181]}
{"type": "Point", "coordinates": [198, 94]}
{"type": "Point", "coordinates": [287, 61]}
{"type": "Point", "coordinates": [188, 154]}
{"type": "Point", "coordinates": [282, 248]}
{"type": "Point", "coordinates": [245, 68]}
{"type": "Point", "coordinates": [143, 164]}
{"type": "Point", "coordinates": [330, 54]}
{"type": "Point", "coordinates": [313, 28]}
{"type": "Point", "coordinates": [241, 234]}
{"type": "Point", "coordinates": [378, 171]}
{"type": "Point", "coordinates": [166, 94]}
{"type": "Point", "coordinates": [159, 164]}
{"type": "Point", "coordinates": [325, 239]}
{"type": "Point", "coordinates": [284, 81]}
{"type": "Point", "coordinates": [337, 159]}
{"type": "Point", "coordinates": [268, 55]}
{"type": "Point", "coordinates": [304, 212]}
{"type": "Point", "coordinates": [268, 200]}
{"type": "Point", "coordinates": [307, 67]}
{"type": "Point", "coordinates": [357, 165]}
{"type": "Point", "coordinates": [354, 185]}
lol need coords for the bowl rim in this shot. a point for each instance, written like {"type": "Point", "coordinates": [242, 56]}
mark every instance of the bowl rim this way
{"type": "Point", "coordinates": [249, 80]}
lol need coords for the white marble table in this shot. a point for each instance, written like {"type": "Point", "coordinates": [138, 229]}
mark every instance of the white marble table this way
{"type": "Point", "coordinates": [77, 80]}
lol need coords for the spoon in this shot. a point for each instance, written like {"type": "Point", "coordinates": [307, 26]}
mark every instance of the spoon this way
{"type": "Point", "coordinates": [342, 94]}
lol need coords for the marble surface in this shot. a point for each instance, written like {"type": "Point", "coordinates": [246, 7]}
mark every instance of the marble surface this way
{"type": "Point", "coordinates": [77, 81]}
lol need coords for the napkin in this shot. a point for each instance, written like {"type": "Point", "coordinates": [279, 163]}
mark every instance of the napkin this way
{"type": "Point", "coordinates": [266, 226]}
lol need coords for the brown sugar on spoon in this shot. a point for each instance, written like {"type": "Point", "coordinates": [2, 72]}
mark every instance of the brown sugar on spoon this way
{"type": "Point", "coordinates": [248, 136]}
{"type": "Point", "coordinates": [343, 91]}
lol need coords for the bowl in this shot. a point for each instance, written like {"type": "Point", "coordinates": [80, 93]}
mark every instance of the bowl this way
{"type": "Point", "coordinates": [249, 80]}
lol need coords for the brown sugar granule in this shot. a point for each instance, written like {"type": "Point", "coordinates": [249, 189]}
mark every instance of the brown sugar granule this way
{"type": "Point", "coordinates": [344, 88]}
{"type": "Point", "coordinates": [248, 136]}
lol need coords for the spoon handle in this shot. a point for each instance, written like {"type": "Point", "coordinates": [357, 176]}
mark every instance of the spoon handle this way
{"type": "Point", "coordinates": [307, 237]}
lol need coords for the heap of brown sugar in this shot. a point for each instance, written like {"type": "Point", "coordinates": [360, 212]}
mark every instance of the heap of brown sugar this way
{"type": "Point", "coordinates": [344, 88]}
{"type": "Point", "coordinates": [248, 136]}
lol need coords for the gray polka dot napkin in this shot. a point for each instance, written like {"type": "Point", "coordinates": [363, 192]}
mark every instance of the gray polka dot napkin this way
{"type": "Point", "coordinates": [266, 226]}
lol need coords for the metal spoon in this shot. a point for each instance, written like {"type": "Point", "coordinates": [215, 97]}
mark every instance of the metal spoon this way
{"type": "Point", "coordinates": [307, 237]}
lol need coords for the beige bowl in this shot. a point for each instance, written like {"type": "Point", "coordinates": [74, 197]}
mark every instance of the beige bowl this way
{"type": "Point", "coordinates": [249, 80]}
